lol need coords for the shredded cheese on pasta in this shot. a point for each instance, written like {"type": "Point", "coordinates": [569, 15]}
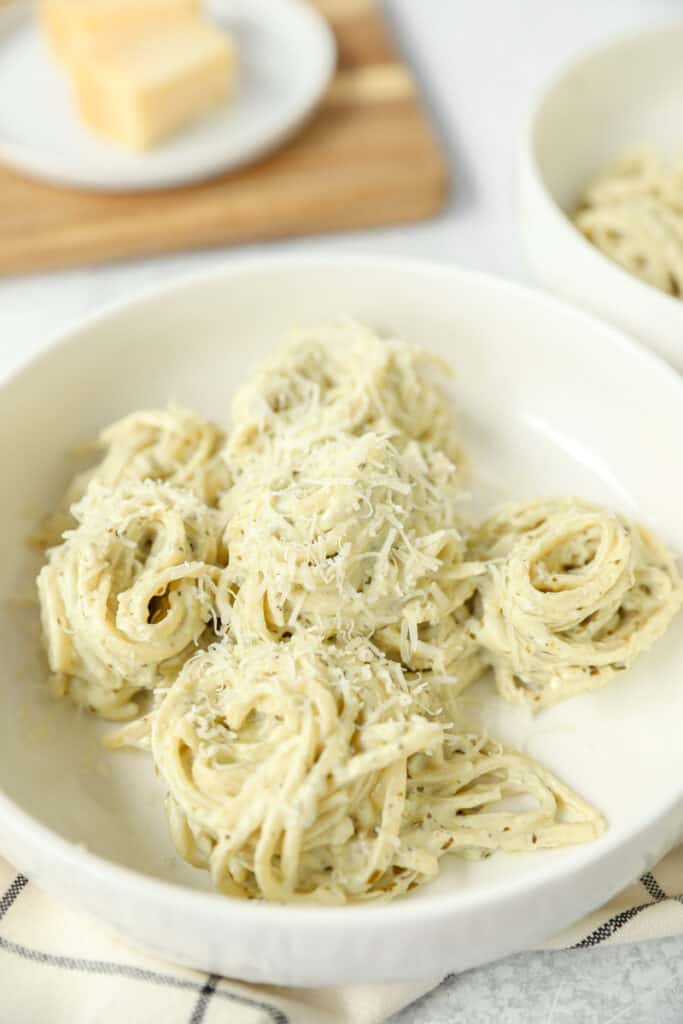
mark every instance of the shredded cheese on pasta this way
{"type": "Point", "coordinates": [172, 445]}
{"type": "Point", "coordinates": [336, 380]}
{"type": "Point", "coordinates": [354, 538]}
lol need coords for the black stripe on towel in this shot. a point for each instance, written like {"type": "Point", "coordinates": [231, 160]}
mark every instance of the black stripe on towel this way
{"type": "Point", "coordinates": [604, 931]}
{"type": "Point", "coordinates": [202, 1004]}
{"type": "Point", "coordinates": [19, 883]}
{"type": "Point", "coordinates": [112, 969]}
{"type": "Point", "coordinates": [655, 890]}
{"type": "Point", "coordinates": [652, 887]}
{"type": "Point", "coordinates": [607, 930]}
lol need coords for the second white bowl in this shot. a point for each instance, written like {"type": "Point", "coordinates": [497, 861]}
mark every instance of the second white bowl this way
{"type": "Point", "coordinates": [622, 95]}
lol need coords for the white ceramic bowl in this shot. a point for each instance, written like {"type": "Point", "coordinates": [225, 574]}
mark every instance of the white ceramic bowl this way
{"type": "Point", "coordinates": [534, 380]}
{"type": "Point", "coordinates": [624, 94]}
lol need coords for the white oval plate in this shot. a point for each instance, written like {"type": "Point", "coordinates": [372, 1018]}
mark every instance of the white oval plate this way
{"type": "Point", "coordinates": [549, 401]}
{"type": "Point", "coordinates": [287, 57]}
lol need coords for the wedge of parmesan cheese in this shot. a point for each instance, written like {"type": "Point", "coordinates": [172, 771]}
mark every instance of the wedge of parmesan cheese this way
{"type": "Point", "coordinates": [138, 90]}
{"type": "Point", "coordinates": [74, 26]}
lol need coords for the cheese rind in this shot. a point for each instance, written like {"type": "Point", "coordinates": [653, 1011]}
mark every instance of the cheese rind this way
{"type": "Point", "coordinates": [138, 91]}
{"type": "Point", "coordinates": [74, 26]}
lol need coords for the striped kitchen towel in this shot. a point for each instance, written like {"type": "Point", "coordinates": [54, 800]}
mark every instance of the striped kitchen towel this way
{"type": "Point", "coordinates": [58, 966]}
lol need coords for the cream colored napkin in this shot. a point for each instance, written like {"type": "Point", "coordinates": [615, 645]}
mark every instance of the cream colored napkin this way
{"type": "Point", "coordinates": [58, 966]}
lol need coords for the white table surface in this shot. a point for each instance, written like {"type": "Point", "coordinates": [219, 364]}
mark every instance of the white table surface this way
{"type": "Point", "coordinates": [480, 63]}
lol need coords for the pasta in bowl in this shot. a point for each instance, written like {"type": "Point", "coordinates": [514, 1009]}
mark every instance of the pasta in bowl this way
{"type": "Point", "coordinates": [339, 601]}
{"type": "Point", "coordinates": [89, 824]}
{"type": "Point", "coordinates": [633, 212]}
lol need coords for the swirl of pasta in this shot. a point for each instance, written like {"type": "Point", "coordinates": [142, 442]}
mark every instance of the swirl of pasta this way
{"type": "Point", "coordinates": [285, 765]}
{"type": "Point", "coordinates": [573, 594]}
{"type": "Point", "coordinates": [353, 537]}
{"type": "Point", "coordinates": [172, 445]}
{"type": "Point", "coordinates": [304, 771]}
{"type": "Point", "coordinates": [305, 391]}
{"type": "Point", "coordinates": [126, 597]}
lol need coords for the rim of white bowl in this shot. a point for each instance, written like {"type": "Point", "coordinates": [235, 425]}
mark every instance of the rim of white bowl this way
{"type": "Point", "coordinates": [526, 158]}
{"type": "Point", "coordinates": [103, 871]}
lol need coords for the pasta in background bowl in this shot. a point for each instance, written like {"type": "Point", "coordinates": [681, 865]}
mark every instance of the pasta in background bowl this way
{"type": "Point", "coordinates": [88, 823]}
{"type": "Point", "coordinates": [616, 100]}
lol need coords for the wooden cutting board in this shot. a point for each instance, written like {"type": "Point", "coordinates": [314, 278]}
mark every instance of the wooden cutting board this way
{"type": "Point", "coordinates": [368, 157]}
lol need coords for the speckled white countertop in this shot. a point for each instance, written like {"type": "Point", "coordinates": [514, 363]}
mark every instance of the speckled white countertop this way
{"type": "Point", "coordinates": [480, 63]}
{"type": "Point", "coordinates": [638, 984]}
